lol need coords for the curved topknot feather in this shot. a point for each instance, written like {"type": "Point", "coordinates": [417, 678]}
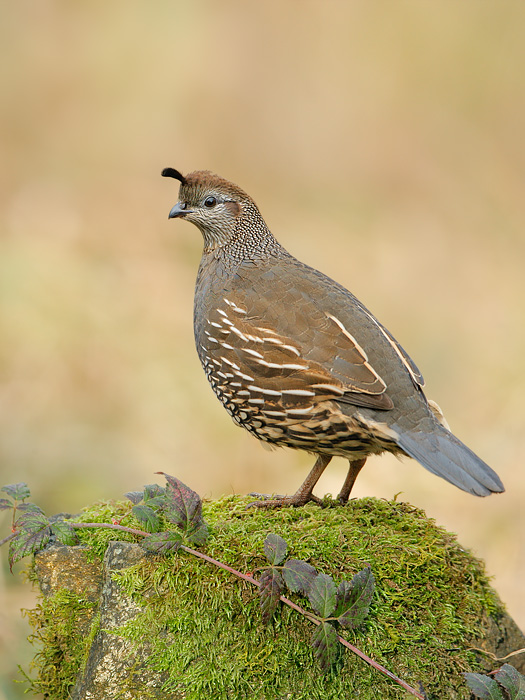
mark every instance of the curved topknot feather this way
{"type": "Point", "coordinates": [175, 174]}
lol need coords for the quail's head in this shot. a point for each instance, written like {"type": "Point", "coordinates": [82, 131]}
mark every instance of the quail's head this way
{"type": "Point", "coordinates": [216, 206]}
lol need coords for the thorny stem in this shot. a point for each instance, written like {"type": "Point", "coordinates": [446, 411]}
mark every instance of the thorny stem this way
{"type": "Point", "coordinates": [253, 581]}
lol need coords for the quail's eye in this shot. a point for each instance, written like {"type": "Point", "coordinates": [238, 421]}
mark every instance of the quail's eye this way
{"type": "Point", "coordinates": [210, 202]}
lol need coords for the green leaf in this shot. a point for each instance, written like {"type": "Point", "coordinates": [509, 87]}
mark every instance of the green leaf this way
{"type": "Point", "coordinates": [64, 533]}
{"type": "Point", "coordinates": [5, 504]}
{"type": "Point", "coordinates": [29, 506]}
{"type": "Point", "coordinates": [134, 496]}
{"type": "Point", "coordinates": [512, 680]}
{"type": "Point", "coordinates": [183, 506]}
{"type": "Point", "coordinates": [162, 542]}
{"type": "Point", "coordinates": [31, 534]}
{"type": "Point", "coordinates": [322, 595]}
{"type": "Point", "coordinates": [483, 687]}
{"type": "Point", "coordinates": [298, 575]}
{"type": "Point", "coordinates": [353, 600]}
{"type": "Point", "coordinates": [270, 588]}
{"type": "Point", "coordinates": [147, 517]}
{"type": "Point", "coordinates": [198, 535]}
{"type": "Point", "coordinates": [153, 491]}
{"type": "Point", "coordinates": [326, 647]}
{"type": "Point", "coordinates": [18, 492]}
{"type": "Point", "coordinates": [275, 548]}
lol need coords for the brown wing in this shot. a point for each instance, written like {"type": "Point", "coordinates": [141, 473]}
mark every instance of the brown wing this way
{"type": "Point", "coordinates": [257, 359]}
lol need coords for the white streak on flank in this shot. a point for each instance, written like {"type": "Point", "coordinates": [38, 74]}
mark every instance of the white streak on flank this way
{"type": "Point", "coordinates": [350, 337]}
{"type": "Point", "coordinates": [223, 313]}
{"type": "Point", "coordinates": [234, 306]}
{"type": "Point", "coordinates": [235, 383]}
{"type": "Point", "coordinates": [269, 392]}
{"type": "Point", "coordinates": [225, 345]}
{"type": "Point", "coordinates": [241, 335]}
{"type": "Point", "coordinates": [285, 365]}
{"type": "Point", "coordinates": [244, 376]}
{"type": "Point", "coordinates": [254, 338]}
{"type": "Point", "coordinates": [256, 401]}
{"type": "Point", "coordinates": [229, 362]}
{"type": "Point", "coordinates": [300, 411]}
{"type": "Point", "coordinates": [220, 374]}
{"type": "Point", "coordinates": [298, 392]}
{"type": "Point", "coordinates": [292, 348]}
{"type": "Point", "coordinates": [329, 387]}
{"type": "Point", "coordinates": [227, 320]}
{"type": "Point", "coordinates": [252, 352]}
{"type": "Point", "coordinates": [280, 414]}
{"type": "Point", "coordinates": [275, 341]}
{"type": "Point", "coordinates": [242, 393]}
{"type": "Point", "coordinates": [361, 351]}
{"type": "Point", "coordinates": [212, 323]}
{"type": "Point", "coordinates": [400, 354]}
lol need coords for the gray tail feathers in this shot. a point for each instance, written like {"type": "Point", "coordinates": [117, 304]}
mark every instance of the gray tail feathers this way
{"type": "Point", "coordinates": [444, 455]}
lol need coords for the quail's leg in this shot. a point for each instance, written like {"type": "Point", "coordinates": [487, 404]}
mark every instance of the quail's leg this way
{"type": "Point", "coordinates": [354, 467]}
{"type": "Point", "coordinates": [304, 493]}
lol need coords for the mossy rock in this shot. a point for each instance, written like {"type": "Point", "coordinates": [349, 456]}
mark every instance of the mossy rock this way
{"type": "Point", "coordinates": [143, 626]}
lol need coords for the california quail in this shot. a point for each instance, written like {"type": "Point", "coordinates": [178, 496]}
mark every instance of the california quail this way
{"type": "Point", "coordinates": [298, 361]}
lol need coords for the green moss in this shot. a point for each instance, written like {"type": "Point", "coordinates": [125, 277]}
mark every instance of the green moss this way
{"type": "Point", "coordinates": [62, 650]}
{"type": "Point", "coordinates": [205, 628]}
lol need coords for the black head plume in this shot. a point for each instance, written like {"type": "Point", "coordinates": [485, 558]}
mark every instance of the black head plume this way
{"type": "Point", "coordinates": [171, 172]}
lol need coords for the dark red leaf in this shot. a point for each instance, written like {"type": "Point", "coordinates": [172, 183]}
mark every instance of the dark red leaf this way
{"type": "Point", "coordinates": [326, 647]}
{"type": "Point", "coordinates": [512, 680]}
{"type": "Point", "coordinates": [18, 492]}
{"type": "Point", "coordinates": [298, 575]}
{"type": "Point", "coordinates": [321, 595]}
{"type": "Point", "coordinates": [183, 505]}
{"type": "Point", "coordinates": [353, 600]}
{"type": "Point", "coordinates": [270, 588]}
{"type": "Point", "coordinates": [64, 533]}
{"type": "Point", "coordinates": [149, 520]}
{"type": "Point", "coordinates": [31, 534]}
{"type": "Point", "coordinates": [162, 542]}
{"type": "Point", "coordinates": [483, 687]}
{"type": "Point", "coordinates": [134, 496]}
{"type": "Point", "coordinates": [275, 548]}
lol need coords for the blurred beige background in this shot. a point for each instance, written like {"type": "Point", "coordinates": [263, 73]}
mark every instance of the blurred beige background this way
{"type": "Point", "coordinates": [384, 143]}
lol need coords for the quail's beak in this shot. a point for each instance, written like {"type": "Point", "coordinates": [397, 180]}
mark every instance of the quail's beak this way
{"type": "Point", "coordinates": [179, 210]}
